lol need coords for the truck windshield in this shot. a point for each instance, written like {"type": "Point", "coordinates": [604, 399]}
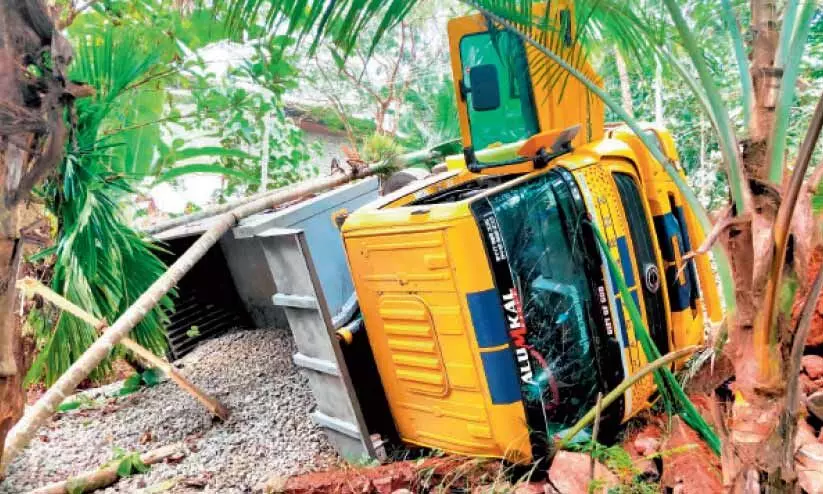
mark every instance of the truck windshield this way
{"type": "Point", "coordinates": [553, 283]}
{"type": "Point", "coordinates": [515, 118]}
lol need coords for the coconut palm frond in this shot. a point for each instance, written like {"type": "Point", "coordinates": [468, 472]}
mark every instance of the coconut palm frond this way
{"type": "Point", "coordinates": [789, 18]}
{"type": "Point", "coordinates": [746, 89]}
{"type": "Point", "coordinates": [340, 21]}
{"type": "Point", "coordinates": [791, 69]}
{"type": "Point", "coordinates": [741, 195]}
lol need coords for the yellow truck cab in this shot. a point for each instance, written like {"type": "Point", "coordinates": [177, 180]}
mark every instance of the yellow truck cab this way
{"type": "Point", "coordinates": [491, 314]}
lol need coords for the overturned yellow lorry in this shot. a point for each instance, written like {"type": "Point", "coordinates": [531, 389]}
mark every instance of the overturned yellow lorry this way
{"type": "Point", "coordinates": [488, 305]}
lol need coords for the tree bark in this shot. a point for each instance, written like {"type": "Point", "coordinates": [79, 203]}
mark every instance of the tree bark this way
{"type": "Point", "coordinates": [766, 82]}
{"type": "Point", "coordinates": [32, 139]}
{"type": "Point", "coordinates": [753, 458]}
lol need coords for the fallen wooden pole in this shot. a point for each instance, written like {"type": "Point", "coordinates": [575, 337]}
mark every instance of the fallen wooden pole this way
{"type": "Point", "coordinates": [106, 475]}
{"type": "Point", "coordinates": [37, 414]}
{"type": "Point", "coordinates": [401, 161]}
{"type": "Point", "coordinates": [31, 286]}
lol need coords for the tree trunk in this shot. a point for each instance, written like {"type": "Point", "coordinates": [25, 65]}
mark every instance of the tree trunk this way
{"type": "Point", "coordinates": [106, 475]}
{"type": "Point", "coordinates": [754, 457]}
{"type": "Point", "coordinates": [12, 396]}
{"type": "Point", "coordinates": [766, 82]}
{"type": "Point", "coordinates": [625, 83]}
{"type": "Point", "coordinates": [32, 139]}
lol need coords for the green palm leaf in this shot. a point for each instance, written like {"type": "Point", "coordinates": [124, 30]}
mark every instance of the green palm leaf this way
{"type": "Point", "coordinates": [791, 69]}
{"type": "Point", "coordinates": [341, 21]}
{"type": "Point", "coordinates": [741, 195]}
{"type": "Point", "coordinates": [747, 91]}
{"type": "Point", "coordinates": [101, 264]}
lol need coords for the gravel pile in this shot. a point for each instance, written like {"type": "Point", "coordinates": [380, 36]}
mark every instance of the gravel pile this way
{"type": "Point", "coordinates": [269, 431]}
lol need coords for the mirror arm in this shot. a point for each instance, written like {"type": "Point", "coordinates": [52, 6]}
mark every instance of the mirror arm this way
{"type": "Point", "coordinates": [476, 167]}
{"type": "Point", "coordinates": [540, 160]}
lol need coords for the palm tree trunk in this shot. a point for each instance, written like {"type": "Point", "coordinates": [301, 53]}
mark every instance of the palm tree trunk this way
{"type": "Point", "coordinates": [12, 396]}
{"type": "Point", "coordinates": [761, 432]}
{"type": "Point", "coordinates": [398, 161]}
{"type": "Point", "coordinates": [625, 82]}
{"type": "Point", "coordinates": [765, 81]}
{"type": "Point", "coordinates": [106, 475]}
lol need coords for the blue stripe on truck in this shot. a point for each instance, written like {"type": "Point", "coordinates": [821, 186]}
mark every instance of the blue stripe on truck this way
{"type": "Point", "coordinates": [501, 374]}
{"type": "Point", "coordinates": [487, 318]}
{"type": "Point", "coordinates": [491, 331]}
{"type": "Point", "coordinates": [625, 261]}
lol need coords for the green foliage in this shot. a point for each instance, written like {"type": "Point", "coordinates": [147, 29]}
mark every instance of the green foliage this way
{"type": "Point", "coordinates": [817, 200]}
{"type": "Point", "coordinates": [134, 54]}
{"type": "Point", "coordinates": [80, 401]}
{"type": "Point", "coordinates": [160, 37]}
{"type": "Point", "coordinates": [619, 461]}
{"type": "Point", "coordinates": [361, 127]}
{"type": "Point", "coordinates": [148, 378]}
{"type": "Point", "coordinates": [235, 112]}
{"type": "Point", "coordinates": [671, 390]}
{"type": "Point", "coordinates": [129, 463]}
{"type": "Point", "coordinates": [431, 113]}
{"type": "Point", "coordinates": [718, 111]}
{"type": "Point", "coordinates": [786, 97]}
{"type": "Point", "coordinates": [379, 147]}
{"type": "Point", "coordinates": [335, 20]}
{"type": "Point", "coordinates": [100, 263]}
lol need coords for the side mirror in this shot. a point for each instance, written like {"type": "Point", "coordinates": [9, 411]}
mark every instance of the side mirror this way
{"type": "Point", "coordinates": [484, 87]}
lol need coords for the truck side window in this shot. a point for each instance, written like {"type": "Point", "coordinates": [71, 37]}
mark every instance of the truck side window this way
{"type": "Point", "coordinates": [515, 118]}
{"type": "Point", "coordinates": [645, 258]}
{"type": "Point", "coordinates": [691, 271]}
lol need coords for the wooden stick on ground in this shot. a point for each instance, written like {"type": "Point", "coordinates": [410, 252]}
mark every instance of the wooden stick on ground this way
{"type": "Point", "coordinates": [106, 475]}
{"type": "Point", "coordinates": [30, 286]}
{"type": "Point", "coordinates": [45, 407]}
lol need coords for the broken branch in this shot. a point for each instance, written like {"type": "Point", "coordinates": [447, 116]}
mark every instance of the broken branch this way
{"type": "Point", "coordinates": [106, 475]}
{"type": "Point", "coordinates": [30, 286]}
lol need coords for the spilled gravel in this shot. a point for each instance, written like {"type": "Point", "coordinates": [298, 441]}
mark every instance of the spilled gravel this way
{"type": "Point", "coordinates": [269, 431]}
